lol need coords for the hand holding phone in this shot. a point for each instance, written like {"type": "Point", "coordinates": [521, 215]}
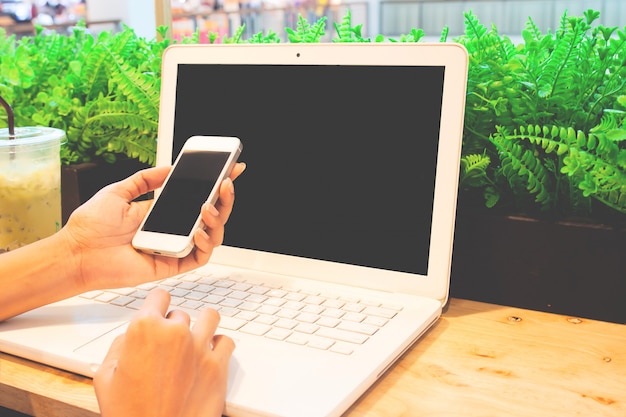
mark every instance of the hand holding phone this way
{"type": "Point", "coordinates": [201, 166]}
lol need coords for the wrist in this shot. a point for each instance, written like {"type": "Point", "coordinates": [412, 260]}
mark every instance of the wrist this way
{"type": "Point", "coordinates": [67, 248]}
{"type": "Point", "coordinates": [37, 274]}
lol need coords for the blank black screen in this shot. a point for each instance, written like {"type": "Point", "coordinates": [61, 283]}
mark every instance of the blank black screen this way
{"type": "Point", "coordinates": [189, 186]}
{"type": "Point", "coordinates": [341, 159]}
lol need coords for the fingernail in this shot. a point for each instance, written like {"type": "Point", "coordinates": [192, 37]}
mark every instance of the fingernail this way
{"type": "Point", "coordinates": [212, 210]}
{"type": "Point", "coordinates": [231, 187]}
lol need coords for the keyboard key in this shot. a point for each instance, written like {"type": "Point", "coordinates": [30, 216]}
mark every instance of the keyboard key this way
{"type": "Point", "coordinates": [293, 305]}
{"type": "Point", "coordinates": [314, 299]}
{"type": "Point", "coordinates": [247, 315]}
{"type": "Point", "coordinates": [213, 299]}
{"type": "Point", "coordinates": [231, 323]}
{"type": "Point", "coordinates": [276, 293]}
{"type": "Point", "coordinates": [241, 295]}
{"type": "Point", "coordinates": [278, 333]}
{"type": "Point", "coordinates": [230, 302]}
{"type": "Point", "coordinates": [357, 317]}
{"type": "Point", "coordinates": [332, 303]}
{"type": "Point", "coordinates": [204, 288]}
{"type": "Point", "coordinates": [258, 289]}
{"type": "Point", "coordinates": [248, 306]}
{"type": "Point", "coordinates": [192, 304]}
{"type": "Point", "coordinates": [275, 301]}
{"type": "Point", "coordinates": [375, 321]}
{"type": "Point", "coordinates": [122, 300]}
{"type": "Point", "coordinates": [342, 348]}
{"type": "Point", "coordinates": [358, 327]}
{"type": "Point", "coordinates": [342, 335]}
{"type": "Point", "coordinates": [298, 339]}
{"type": "Point", "coordinates": [266, 319]}
{"type": "Point", "coordinates": [224, 283]}
{"type": "Point", "coordinates": [328, 322]}
{"type": "Point", "coordinates": [178, 292]}
{"type": "Point", "coordinates": [123, 291]}
{"type": "Point", "coordinates": [286, 313]}
{"type": "Point", "coordinates": [294, 296]}
{"type": "Point", "coordinates": [380, 312]}
{"type": "Point", "coordinates": [353, 307]}
{"type": "Point", "coordinates": [228, 311]}
{"type": "Point", "coordinates": [221, 291]}
{"type": "Point", "coordinates": [333, 312]}
{"type": "Point", "coordinates": [306, 328]}
{"type": "Point", "coordinates": [267, 309]}
{"type": "Point", "coordinates": [256, 298]}
{"type": "Point", "coordinates": [307, 317]}
{"type": "Point", "coordinates": [312, 309]}
{"type": "Point", "coordinates": [106, 297]}
{"type": "Point", "coordinates": [91, 294]}
{"type": "Point", "coordinates": [187, 285]}
{"type": "Point", "coordinates": [320, 343]}
{"type": "Point", "coordinates": [135, 305]}
{"type": "Point", "coordinates": [139, 294]}
{"type": "Point", "coordinates": [286, 323]}
{"type": "Point", "coordinates": [258, 329]}
{"type": "Point", "coordinates": [240, 286]}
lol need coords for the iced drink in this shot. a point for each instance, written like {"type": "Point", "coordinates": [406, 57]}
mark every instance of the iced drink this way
{"type": "Point", "coordinates": [30, 185]}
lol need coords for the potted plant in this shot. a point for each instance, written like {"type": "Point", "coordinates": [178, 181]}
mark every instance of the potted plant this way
{"type": "Point", "coordinates": [542, 207]}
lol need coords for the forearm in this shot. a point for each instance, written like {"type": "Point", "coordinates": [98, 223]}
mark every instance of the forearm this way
{"type": "Point", "coordinates": [37, 274]}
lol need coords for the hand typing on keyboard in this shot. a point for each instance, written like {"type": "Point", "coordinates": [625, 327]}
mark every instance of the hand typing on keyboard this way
{"type": "Point", "coordinates": [162, 367]}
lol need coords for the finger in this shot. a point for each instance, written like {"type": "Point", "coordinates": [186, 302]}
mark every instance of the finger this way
{"type": "Point", "coordinates": [237, 170]}
{"type": "Point", "coordinates": [157, 301]}
{"type": "Point", "coordinates": [205, 326]}
{"type": "Point", "coordinates": [179, 316]}
{"type": "Point", "coordinates": [204, 247]}
{"type": "Point", "coordinates": [214, 222]}
{"type": "Point", "coordinates": [225, 202]}
{"type": "Point", "coordinates": [223, 345]}
{"type": "Point", "coordinates": [139, 183]}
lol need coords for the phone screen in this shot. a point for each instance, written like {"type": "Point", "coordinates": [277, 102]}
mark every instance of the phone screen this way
{"type": "Point", "coordinates": [190, 183]}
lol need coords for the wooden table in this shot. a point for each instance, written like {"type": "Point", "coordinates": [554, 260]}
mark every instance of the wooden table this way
{"type": "Point", "coordinates": [478, 360]}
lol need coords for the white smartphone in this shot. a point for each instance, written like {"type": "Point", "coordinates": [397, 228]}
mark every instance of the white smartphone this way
{"type": "Point", "coordinates": [201, 166]}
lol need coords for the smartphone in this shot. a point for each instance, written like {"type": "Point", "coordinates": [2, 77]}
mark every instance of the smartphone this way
{"type": "Point", "coordinates": [201, 166]}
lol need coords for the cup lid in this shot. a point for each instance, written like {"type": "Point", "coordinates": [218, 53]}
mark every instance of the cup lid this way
{"type": "Point", "coordinates": [30, 136]}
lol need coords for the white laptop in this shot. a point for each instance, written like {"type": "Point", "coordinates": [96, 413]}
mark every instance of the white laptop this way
{"type": "Point", "coordinates": [342, 226]}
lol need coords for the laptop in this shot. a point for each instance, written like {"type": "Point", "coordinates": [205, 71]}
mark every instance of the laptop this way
{"type": "Point", "coordinates": [346, 211]}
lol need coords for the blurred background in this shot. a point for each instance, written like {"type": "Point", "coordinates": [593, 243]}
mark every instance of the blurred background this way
{"type": "Point", "coordinates": [391, 18]}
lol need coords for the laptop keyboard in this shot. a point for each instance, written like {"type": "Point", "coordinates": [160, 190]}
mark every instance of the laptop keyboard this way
{"type": "Point", "coordinates": [338, 324]}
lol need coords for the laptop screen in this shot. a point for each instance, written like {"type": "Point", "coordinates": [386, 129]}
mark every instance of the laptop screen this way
{"type": "Point", "coordinates": [340, 159]}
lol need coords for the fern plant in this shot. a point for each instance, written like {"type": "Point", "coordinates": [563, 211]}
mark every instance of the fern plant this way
{"type": "Point", "coordinates": [103, 91]}
{"type": "Point", "coordinates": [546, 119]}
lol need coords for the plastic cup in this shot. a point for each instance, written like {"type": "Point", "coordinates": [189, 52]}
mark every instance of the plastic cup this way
{"type": "Point", "coordinates": [30, 185]}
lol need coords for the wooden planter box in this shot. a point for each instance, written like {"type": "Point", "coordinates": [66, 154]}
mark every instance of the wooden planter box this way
{"type": "Point", "coordinates": [571, 268]}
{"type": "Point", "coordinates": [79, 182]}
